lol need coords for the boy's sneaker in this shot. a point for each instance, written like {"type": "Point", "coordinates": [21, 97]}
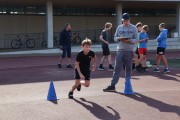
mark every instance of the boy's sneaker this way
{"type": "Point", "coordinates": [70, 95]}
{"type": "Point", "coordinates": [124, 67]}
{"type": "Point", "coordinates": [133, 66]}
{"type": "Point", "coordinates": [156, 70]}
{"type": "Point", "coordinates": [69, 66]}
{"type": "Point", "coordinates": [59, 66]}
{"type": "Point", "coordinates": [111, 68]}
{"type": "Point", "coordinates": [79, 88]}
{"type": "Point", "coordinates": [138, 68]}
{"type": "Point", "coordinates": [144, 70]}
{"type": "Point", "coordinates": [109, 88]}
{"type": "Point", "coordinates": [101, 68]}
{"type": "Point", "coordinates": [166, 70]}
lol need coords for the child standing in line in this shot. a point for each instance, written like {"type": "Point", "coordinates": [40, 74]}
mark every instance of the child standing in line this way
{"type": "Point", "coordinates": [143, 39]}
{"type": "Point", "coordinates": [162, 39]}
{"type": "Point", "coordinates": [65, 45]}
{"type": "Point", "coordinates": [82, 67]}
{"type": "Point", "coordinates": [105, 47]}
{"type": "Point", "coordinates": [137, 56]}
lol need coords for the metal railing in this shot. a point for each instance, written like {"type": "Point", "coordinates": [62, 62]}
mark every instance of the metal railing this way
{"type": "Point", "coordinates": [39, 40]}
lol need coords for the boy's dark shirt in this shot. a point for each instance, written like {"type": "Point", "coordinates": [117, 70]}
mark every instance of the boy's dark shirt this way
{"type": "Point", "coordinates": [65, 38]}
{"type": "Point", "coordinates": [84, 60]}
{"type": "Point", "coordinates": [104, 34]}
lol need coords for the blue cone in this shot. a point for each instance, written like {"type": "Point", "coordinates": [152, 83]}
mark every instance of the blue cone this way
{"type": "Point", "coordinates": [128, 88]}
{"type": "Point", "coordinates": [52, 93]}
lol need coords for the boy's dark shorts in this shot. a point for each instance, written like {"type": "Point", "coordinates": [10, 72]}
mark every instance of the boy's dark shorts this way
{"type": "Point", "coordinates": [86, 73]}
{"type": "Point", "coordinates": [160, 51]}
{"type": "Point", "coordinates": [106, 50]}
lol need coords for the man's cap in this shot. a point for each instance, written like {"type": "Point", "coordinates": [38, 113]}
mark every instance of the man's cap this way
{"type": "Point", "coordinates": [126, 16]}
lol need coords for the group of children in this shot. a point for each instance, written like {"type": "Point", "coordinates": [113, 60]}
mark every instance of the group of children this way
{"type": "Point", "coordinates": [141, 51]}
{"type": "Point", "coordinates": [83, 68]}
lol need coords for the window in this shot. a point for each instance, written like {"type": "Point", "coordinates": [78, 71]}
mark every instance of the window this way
{"type": "Point", "coordinates": [76, 11]}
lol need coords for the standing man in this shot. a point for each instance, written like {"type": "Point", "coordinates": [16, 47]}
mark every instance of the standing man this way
{"type": "Point", "coordinates": [126, 35]}
{"type": "Point", "coordinates": [160, 55]}
{"type": "Point", "coordinates": [65, 44]}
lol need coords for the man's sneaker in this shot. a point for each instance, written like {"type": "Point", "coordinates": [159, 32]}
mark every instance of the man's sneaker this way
{"type": "Point", "coordinates": [59, 66]}
{"type": "Point", "coordinates": [101, 68]}
{"type": "Point", "coordinates": [79, 88]}
{"type": "Point", "coordinates": [156, 70]}
{"type": "Point", "coordinates": [69, 66]}
{"type": "Point", "coordinates": [110, 88]}
{"type": "Point", "coordinates": [70, 95]}
{"type": "Point", "coordinates": [111, 68]}
{"type": "Point", "coordinates": [166, 70]}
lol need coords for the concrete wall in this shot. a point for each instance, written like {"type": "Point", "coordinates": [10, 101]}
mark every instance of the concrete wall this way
{"type": "Point", "coordinates": [21, 24]}
{"type": "Point", "coordinates": [154, 20]}
{"type": "Point", "coordinates": [10, 24]}
{"type": "Point", "coordinates": [82, 22]}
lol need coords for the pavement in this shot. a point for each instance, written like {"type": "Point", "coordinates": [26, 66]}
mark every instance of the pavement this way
{"type": "Point", "coordinates": [25, 80]}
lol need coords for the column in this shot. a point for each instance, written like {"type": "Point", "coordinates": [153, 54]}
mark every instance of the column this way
{"type": "Point", "coordinates": [118, 14]}
{"type": "Point", "coordinates": [178, 19]}
{"type": "Point", "coordinates": [49, 19]}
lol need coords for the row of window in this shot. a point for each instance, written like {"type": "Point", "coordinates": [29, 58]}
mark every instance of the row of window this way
{"type": "Point", "coordinates": [63, 11]}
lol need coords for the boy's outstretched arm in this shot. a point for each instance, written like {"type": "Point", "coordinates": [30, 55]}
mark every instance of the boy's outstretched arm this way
{"type": "Point", "coordinates": [79, 71]}
{"type": "Point", "coordinates": [94, 63]}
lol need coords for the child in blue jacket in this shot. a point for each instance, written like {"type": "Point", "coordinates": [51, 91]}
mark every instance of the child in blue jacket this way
{"type": "Point", "coordinates": [161, 40]}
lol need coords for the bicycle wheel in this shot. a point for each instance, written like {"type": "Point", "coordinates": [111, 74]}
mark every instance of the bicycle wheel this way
{"type": "Point", "coordinates": [15, 44]}
{"type": "Point", "coordinates": [30, 43]}
{"type": "Point", "coordinates": [44, 44]}
{"type": "Point", "coordinates": [78, 40]}
{"type": "Point", "coordinates": [56, 43]}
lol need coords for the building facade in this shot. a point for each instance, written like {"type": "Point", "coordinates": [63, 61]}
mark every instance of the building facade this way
{"type": "Point", "coordinates": [43, 19]}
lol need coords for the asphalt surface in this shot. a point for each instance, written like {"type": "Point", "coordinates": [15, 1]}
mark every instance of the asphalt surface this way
{"type": "Point", "coordinates": [24, 84]}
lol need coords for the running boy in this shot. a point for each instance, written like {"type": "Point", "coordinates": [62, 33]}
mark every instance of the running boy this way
{"type": "Point", "coordinates": [161, 39]}
{"type": "Point", "coordinates": [82, 67]}
{"type": "Point", "coordinates": [143, 39]}
{"type": "Point", "coordinates": [105, 47]}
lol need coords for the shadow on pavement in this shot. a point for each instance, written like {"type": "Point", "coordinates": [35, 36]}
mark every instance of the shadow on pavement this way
{"type": "Point", "coordinates": [32, 69]}
{"type": "Point", "coordinates": [55, 102]}
{"type": "Point", "coordinates": [98, 111]}
{"type": "Point", "coordinates": [161, 106]}
{"type": "Point", "coordinates": [173, 75]}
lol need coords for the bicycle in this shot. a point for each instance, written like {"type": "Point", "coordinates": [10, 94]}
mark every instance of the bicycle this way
{"type": "Point", "coordinates": [76, 39]}
{"type": "Point", "coordinates": [18, 42]}
{"type": "Point", "coordinates": [55, 42]}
